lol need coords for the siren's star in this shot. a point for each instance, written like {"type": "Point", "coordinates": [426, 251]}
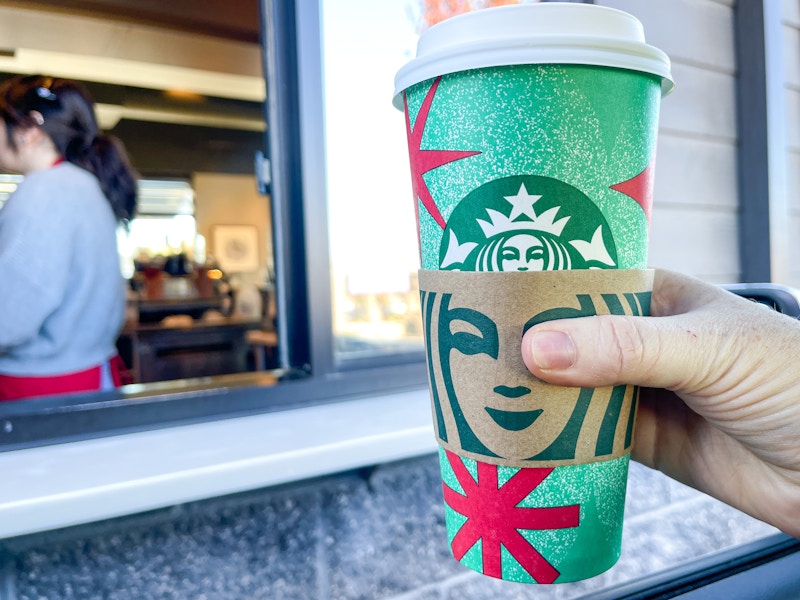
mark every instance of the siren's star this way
{"type": "Point", "coordinates": [640, 188]}
{"type": "Point", "coordinates": [522, 204]}
{"type": "Point", "coordinates": [423, 161]}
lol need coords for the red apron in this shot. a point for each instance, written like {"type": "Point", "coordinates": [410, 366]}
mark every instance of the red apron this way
{"type": "Point", "coordinates": [14, 387]}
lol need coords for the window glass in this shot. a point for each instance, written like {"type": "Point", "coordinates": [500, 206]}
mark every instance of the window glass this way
{"type": "Point", "coordinates": [373, 243]}
{"type": "Point", "coordinates": [374, 254]}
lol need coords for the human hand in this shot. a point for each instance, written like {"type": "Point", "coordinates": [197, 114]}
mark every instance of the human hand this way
{"type": "Point", "coordinates": [720, 404]}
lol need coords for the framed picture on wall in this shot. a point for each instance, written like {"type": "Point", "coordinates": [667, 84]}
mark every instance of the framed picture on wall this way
{"type": "Point", "coordinates": [236, 247]}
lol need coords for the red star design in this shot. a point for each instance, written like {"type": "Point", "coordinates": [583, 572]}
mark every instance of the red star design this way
{"type": "Point", "coordinates": [423, 161]}
{"type": "Point", "coordinates": [494, 517]}
{"type": "Point", "coordinates": [640, 188]}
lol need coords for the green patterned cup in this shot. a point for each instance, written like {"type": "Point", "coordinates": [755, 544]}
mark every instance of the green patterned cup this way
{"type": "Point", "coordinates": [531, 134]}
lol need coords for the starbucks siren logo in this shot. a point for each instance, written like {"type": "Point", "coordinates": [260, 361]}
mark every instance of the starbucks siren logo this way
{"type": "Point", "coordinates": [503, 226]}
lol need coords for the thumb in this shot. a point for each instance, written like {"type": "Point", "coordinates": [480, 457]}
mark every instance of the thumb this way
{"type": "Point", "coordinates": [612, 350]}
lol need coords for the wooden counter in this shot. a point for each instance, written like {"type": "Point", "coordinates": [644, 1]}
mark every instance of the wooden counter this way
{"type": "Point", "coordinates": [158, 352]}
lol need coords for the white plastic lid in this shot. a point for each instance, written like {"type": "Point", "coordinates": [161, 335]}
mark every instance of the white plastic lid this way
{"type": "Point", "coordinates": [549, 33]}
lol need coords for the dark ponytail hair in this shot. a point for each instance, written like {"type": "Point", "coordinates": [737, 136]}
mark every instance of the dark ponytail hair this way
{"type": "Point", "coordinates": [69, 120]}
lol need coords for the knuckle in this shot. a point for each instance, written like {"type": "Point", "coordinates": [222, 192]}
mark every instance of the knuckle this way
{"type": "Point", "coordinates": [627, 348]}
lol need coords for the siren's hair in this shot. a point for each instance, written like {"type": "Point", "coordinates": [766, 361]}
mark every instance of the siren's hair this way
{"type": "Point", "coordinates": [558, 257]}
{"type": "Point", "coordinates": [69, 121]}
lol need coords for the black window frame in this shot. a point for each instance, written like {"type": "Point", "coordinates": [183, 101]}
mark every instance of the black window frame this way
{"type": "Point", "coordinates": [761, 124]}
{"type": "Point", "coordinates": [765, 568]}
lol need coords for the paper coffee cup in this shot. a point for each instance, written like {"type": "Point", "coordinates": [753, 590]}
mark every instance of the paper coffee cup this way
{"type": "Point", "coordinates": [531, 133]}
{"type": "Point", "coordinates": [534, 475]}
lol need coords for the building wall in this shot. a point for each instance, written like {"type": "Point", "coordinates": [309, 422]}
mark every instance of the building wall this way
{"type": "Point", "coordinates": [694, 222]}
{"type": "Point", "coordinates": [791, 57]}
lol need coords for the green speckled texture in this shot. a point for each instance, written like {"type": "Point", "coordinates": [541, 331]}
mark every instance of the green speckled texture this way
{"type": "Point", "coordinates": [589, 127]}
{"type": "Point", "coordinates": [574, 136]}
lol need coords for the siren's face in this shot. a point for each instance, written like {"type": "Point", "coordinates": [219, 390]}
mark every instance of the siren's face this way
{"type": "Point", "coordinates": [534, 251]}
{"type": "Point", "coordinates": [500, 400]}
{"type": "Point", "coordinates": [523, 252]}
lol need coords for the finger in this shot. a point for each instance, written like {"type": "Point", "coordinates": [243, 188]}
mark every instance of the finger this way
{"type": "Point", "coordinates": [662, 352]}
{"type": "Point", "coordinates": [613, 350]}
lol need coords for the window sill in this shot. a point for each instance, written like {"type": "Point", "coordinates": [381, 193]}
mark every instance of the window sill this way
{"type": "Point", "coordinates": [68, 484]}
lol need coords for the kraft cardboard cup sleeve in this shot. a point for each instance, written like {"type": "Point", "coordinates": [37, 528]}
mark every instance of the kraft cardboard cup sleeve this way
{"type": "Point", "coordinates": [531, 136]}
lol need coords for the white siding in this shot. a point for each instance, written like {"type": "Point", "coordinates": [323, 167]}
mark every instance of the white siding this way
{"type": "Point", "coordinates": [689, 31]}
{"type": "Point", "coordinates": [791, 70]}
{"type": "Point", "coordinates": [708, 180]}
{"type": "Point", "coordinates": [791, 12]}
{"type": "Point", "coordinates": [694, 227]}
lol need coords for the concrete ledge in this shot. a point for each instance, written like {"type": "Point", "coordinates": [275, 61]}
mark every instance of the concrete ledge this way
{"type": "Point", "coordinates": [68, 484]}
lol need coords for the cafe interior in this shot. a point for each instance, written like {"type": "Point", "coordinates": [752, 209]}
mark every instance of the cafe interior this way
{"type": "Point", "coordinates": [182, 85]}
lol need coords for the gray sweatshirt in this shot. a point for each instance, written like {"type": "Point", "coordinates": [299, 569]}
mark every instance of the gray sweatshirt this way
{"type": "Point", "coordinates": [62, 296]}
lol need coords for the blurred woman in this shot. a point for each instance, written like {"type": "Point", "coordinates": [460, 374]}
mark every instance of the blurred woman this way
{"type": "Point", "coordinates": [63, 296]}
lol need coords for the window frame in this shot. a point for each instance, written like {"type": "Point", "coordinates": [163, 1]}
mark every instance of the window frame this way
{"type": "Point", "coordinates": [296, 146]}
{"type": "Point", "coordinates": [764, 237]}
{"type": "Point", "coordinates": [737, 573]}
